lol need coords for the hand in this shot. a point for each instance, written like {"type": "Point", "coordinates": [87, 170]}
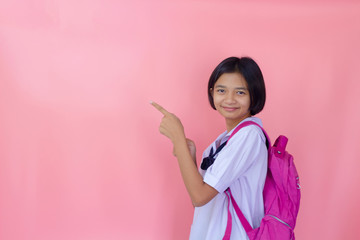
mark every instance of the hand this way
{"type": "Point", "coordinates": [170, 125]}
{"type": "Point", "coordinates": [185, 151]}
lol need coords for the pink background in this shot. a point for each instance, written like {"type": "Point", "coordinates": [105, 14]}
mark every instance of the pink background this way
{"type": "Point", "coordinates": [80, 152]}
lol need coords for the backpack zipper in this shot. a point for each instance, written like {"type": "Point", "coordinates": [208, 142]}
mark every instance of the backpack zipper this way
{"type": "Point", "coordinates": [280, 221]}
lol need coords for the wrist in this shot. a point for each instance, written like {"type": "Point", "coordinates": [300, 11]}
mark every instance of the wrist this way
{"type": "Point", "coordinates": [179, 139]}
{"type": "Point", "coordinates": [180, 146]}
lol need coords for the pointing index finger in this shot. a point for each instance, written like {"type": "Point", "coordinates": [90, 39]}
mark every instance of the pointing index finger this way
{"type": "Point", "coordinates": [160, 108]}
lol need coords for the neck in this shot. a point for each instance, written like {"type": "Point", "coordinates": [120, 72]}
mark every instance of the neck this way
{"type": "Point", "coordinates": [231, 124]}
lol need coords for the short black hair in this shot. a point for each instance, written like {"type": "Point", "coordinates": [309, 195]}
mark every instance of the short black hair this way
{"type": "Point", "coordinates": [252, 74]}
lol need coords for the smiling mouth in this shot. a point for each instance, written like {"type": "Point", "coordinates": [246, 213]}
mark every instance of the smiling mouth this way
{"type": "Point", "coordinates": [229, 109]}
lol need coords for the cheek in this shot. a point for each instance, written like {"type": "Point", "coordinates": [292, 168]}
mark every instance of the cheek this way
{"type": "Point", "coordinates": [215, 99]}
{"type": "Point", "coordinates": [246, 103]}
{"type": "Point", "coordinates": [249, 101]}
{"type": "Point", "coordinates": [216, 104]}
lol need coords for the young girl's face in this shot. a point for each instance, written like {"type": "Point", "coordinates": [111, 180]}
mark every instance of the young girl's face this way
{"type": "Point", "coordinates": [232, 98]}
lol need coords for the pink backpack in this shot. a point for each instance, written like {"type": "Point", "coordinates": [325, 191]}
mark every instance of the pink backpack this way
{"type": "Point", "coordinates": [281, 195]}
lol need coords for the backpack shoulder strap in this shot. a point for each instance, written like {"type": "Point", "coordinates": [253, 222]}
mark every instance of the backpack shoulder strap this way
{"type": "Point", "coordinates": [248, 123]}
{"type": "Point", "coordinates": [246, 225]}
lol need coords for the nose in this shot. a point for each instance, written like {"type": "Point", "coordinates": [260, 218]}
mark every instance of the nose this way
{"type": "Point", "coordinates": [230, 98]}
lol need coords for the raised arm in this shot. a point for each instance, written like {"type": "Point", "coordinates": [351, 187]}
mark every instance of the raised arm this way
{"type": "Point", "coordinates": [171, 127]}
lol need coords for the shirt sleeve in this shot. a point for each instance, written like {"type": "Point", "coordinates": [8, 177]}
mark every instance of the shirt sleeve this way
{"type": "Point", "coordinates": [239, 154]}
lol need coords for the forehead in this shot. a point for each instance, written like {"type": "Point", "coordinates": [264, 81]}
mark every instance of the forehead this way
{"type": "Point", "coordinates": [231, 80]}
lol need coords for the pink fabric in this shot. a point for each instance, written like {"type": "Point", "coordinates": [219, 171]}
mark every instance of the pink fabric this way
{"type": "Point", "coordinates": [281, 195]}
{"type": "Point", "coordinates": [229, 220]}
{"type": "Point", "coordinates": [240, 215]}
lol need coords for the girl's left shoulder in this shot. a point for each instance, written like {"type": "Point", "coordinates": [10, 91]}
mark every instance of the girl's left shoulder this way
{"type": "Point", "coordinates": [251, 130]}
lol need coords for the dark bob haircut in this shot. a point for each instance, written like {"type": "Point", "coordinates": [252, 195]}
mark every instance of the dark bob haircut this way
{"type": "Point", "coordinates": [249, 69]}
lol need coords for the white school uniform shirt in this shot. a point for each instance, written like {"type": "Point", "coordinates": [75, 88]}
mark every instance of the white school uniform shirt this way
{"type": "Point", "coordinates": [242, 166]}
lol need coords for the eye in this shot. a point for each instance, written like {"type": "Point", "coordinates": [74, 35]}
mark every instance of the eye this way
{"type": "Point", "coordinates": [240, 92]}
{"type": "Point", "coordinates": [220, 91]}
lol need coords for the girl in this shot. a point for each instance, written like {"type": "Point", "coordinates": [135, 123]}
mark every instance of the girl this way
{"type": "Point", "coordinates": [236, 90]}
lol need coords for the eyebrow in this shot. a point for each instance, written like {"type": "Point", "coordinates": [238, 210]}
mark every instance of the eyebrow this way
{"type": "Point", "coordinates": [238, 88]}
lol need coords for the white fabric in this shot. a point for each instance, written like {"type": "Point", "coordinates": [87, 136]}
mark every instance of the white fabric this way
{"type": "Point", "coordinates": [242, 165]}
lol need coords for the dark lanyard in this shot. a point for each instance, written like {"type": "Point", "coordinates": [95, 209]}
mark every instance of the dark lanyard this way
{"type": "Point", "coordinates": [208, 161]}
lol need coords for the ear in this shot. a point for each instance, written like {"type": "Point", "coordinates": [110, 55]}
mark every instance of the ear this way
{"type": "Point", "coordinates": [212, 92]}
